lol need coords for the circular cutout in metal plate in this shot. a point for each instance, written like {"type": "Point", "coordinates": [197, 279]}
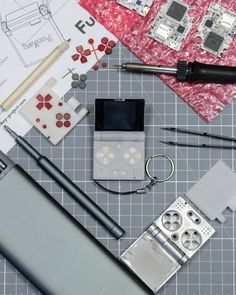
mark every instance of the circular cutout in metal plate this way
{"type": "Point", "coordinates": [172, 220]}
{"type": "Point", "coordinates": [191, 239]}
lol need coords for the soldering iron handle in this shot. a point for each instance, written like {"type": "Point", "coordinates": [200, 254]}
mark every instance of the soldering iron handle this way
{"type": "Point", "coordinates": [198, 72]}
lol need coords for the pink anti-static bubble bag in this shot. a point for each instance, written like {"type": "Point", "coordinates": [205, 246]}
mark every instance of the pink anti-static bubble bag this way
{"type": "Point", "coordinates": [208, 100]}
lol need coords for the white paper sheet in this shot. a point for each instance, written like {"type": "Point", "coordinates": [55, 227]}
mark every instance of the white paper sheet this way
{"type": "Point", "coordinates": [27, 35]}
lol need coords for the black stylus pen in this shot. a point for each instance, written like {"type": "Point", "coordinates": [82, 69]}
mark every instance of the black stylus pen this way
{"type": "Point", "coordinates": [75, 192]}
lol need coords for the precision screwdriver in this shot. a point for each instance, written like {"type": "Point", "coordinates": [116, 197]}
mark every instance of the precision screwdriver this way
{"type": "Point", "coordinates": [69, 186]}
{"type": "Point", "coordinates": [187, 72]}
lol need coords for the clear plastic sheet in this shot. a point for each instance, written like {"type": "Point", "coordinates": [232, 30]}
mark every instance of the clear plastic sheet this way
{"type": "Point", "coordinates": [208, 100]}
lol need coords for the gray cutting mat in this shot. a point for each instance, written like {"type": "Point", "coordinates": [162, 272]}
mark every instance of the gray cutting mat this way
{"type": "Point", "coordinates": [212, 271]}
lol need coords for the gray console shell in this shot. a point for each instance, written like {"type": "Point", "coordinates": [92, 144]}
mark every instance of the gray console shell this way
{"type": "Point", "coordinates": [119, 143]}
{"type": "Point", "coordinates": [49, 247]}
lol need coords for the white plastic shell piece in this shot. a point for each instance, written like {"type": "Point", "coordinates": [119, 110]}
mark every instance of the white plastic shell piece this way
{"type": "Point", "coordinates": [217, 29]}
{"type": "Point", "coordinates": [172, 24]}
{"type": "Point", "coordinates": [52, 116]}
{"type": "Point", "coordinates": [215, 192]}
{"type": "Point", "coordinates": [73, 103]}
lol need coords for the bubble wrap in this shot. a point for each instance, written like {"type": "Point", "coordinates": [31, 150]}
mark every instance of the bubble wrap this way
{"type": "Point", "coordinates": [208, 100]}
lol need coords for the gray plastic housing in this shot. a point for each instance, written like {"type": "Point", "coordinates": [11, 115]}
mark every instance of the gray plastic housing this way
{"type": "Point", "coordinates": [49, 247]}
{"type": "Point", "coordinates": [215, 192]}
{"type": "Point", "coordinates": [119, 155]}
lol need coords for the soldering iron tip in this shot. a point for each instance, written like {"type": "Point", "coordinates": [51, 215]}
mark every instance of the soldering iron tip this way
{"type": "Point", "coordinates": [168, 129]}
{"type": "Point", "coordinates": [168, 142]}
{"type": "Point", "coordinates": [118, 66]}
{"type": "Point", "coordinates": [10, 131]}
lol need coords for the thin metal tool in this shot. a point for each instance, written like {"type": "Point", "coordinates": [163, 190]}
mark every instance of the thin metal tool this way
{"type": "Point", "coordinates": [69, 186]}
{"type": "Point", "coordinates": [187, 72]}
{"type": "Point", "coordinates": [136, 67]}
{"type": "Point", "coordinates": [212, 146]}
{"type": "Point", "coordinates": [203, 134]}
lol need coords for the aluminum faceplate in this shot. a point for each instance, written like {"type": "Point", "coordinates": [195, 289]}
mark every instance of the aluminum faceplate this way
{"type": "Point", "coordinates": [167, 244]}
{"type": "Point", "coordinates": [193, 226]}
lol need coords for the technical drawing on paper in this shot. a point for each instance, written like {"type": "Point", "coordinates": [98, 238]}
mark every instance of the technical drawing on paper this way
{"type": "Point", "coordinates": [32, 31]}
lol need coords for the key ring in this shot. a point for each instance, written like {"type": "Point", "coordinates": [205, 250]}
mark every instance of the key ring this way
{"type": "Point", "coordinates": [157, 179]}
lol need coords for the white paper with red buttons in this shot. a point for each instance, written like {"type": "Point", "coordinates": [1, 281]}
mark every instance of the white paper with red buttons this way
{"type": "Point", "coordinates": [89, 42]}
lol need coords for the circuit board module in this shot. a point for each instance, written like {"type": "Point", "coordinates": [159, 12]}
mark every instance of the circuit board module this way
{"type": "Point", "coordinates": [172, 24]}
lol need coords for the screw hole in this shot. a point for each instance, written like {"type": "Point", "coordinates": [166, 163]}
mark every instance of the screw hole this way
{"type": "Point", "coordinates": [174, 237]}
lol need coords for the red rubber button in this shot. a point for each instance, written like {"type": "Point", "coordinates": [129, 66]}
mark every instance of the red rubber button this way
{"type": "Point", "coordinates": [67, 116]}
{"type": "Point", "coordinates": [83, 59]}
{"type": "Point", "coordinates": [75, 57]}
{"type": "Point", "coordinates": [112, 44]}
{"type": "Point", "coordinates": [59, 124]}
{"type": "Point", "coordinates": [101, 47]}
{"type": "Point", "coordinates": [104, 40]}
{"type": "Point", "coordinates": [67, 124]}
{"type": "Point", "coordinates": [59, 116]}
{"type": "Point", "coordinates": [108, 51]}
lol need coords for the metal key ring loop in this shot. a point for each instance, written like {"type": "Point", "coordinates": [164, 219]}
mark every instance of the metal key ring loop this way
{"type": "Point", "coordinates": [156, 179]}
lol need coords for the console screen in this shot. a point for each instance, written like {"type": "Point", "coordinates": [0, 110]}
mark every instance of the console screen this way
{"type": "Point", "coordinates": [119, 115]}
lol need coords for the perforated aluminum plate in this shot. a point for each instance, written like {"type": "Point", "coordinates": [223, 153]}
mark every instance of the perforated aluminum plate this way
{"type": "Point", "coordinates": [191, 230]}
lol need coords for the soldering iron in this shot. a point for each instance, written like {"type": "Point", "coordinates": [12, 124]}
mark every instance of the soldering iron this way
{"type": "Point", "coordinates": [187, 72]}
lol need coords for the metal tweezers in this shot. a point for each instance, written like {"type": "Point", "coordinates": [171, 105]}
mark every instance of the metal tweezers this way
{"type": "Point", "coordinates": [203, 134]}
